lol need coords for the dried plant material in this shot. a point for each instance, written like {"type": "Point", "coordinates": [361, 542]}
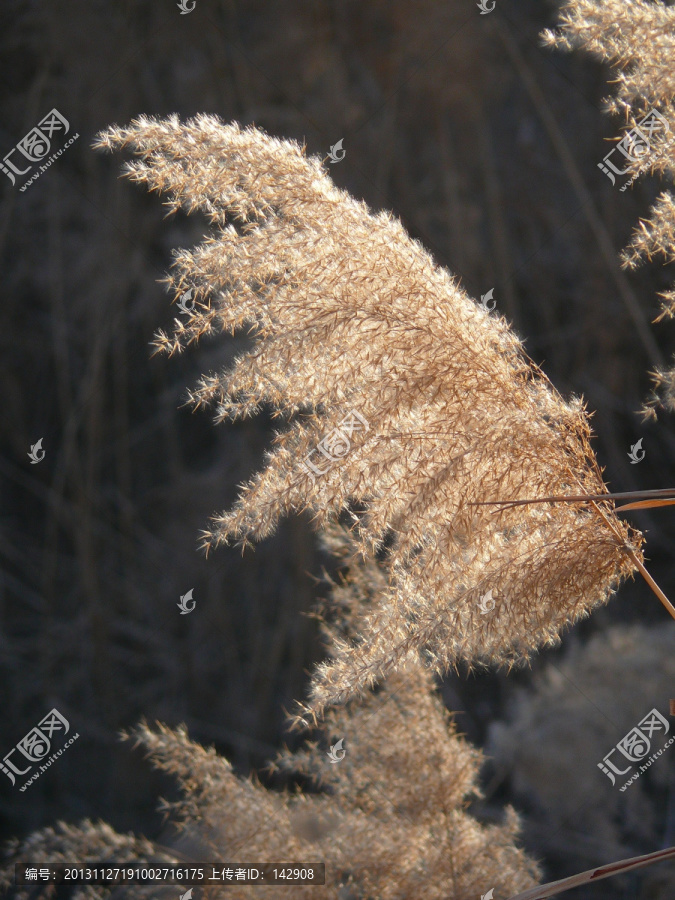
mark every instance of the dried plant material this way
{"type": "Point", "coordinates": [405, 764]}
{"type": "Point", "coordinates": [593, 875]}
{"type": "Point", "coordinates": [393, 824]}
{"type": "Point", "coordinates": [420, 399]}
{"type": "Point", "coordinates": [86, 844]}
{"type": "Point", "coordinates": [636, 36]}
{"type": "Point", "coordinates": [654, 237]}
{"type": "Point", "coordinates": [638, 39]}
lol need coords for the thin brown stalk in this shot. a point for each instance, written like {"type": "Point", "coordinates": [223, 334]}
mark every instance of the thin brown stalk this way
{"type": "Point", "coordinates": [641, 496]}
{"type": "Point", "coordinates": [643, 503]}
{"type": "Point", "coordinates": [592, 875]}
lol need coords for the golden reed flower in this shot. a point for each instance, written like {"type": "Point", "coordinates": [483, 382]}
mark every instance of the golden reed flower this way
{"type": "Point", "coordinates": [413, 402]}
{"type": "Point", "coordinates": [393, 822]}
{"type": "Point", "coordinates": [388, 816]}
{"type": "Point", "coordinates": [638, 39]}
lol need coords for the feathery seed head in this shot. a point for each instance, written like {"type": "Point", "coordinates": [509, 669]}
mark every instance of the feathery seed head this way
{"type": "Point", "coordinates": [406, 397]}
{"type": "Point", "coordinates": [638, 39]}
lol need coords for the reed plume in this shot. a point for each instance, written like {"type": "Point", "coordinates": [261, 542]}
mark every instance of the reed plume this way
{"type": "Point", "coordinates": [638, 39]}
{"type": "Point", "coordinates": [389, 816]}
{"type": "Point", "coordinates": [408, 403]}
{"type": "Point", "coordinates": [391, 821]}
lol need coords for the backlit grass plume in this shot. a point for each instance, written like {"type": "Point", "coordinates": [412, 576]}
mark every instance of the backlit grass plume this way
{"type": "Point", "coordinates": [406, 402]}
{"type": "Point", "coordinates": [390, 822]}
{"type": "Point", "coordinates": [637, 37]}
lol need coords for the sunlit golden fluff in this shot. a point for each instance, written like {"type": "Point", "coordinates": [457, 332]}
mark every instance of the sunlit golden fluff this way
{"type": "Point", "coordinates": [348, 316]}
{"type": "Point", "coordinates": [638, 39]}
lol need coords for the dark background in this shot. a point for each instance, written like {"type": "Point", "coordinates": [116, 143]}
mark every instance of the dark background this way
{"type": "Point", "coordinates": [473, 135]}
